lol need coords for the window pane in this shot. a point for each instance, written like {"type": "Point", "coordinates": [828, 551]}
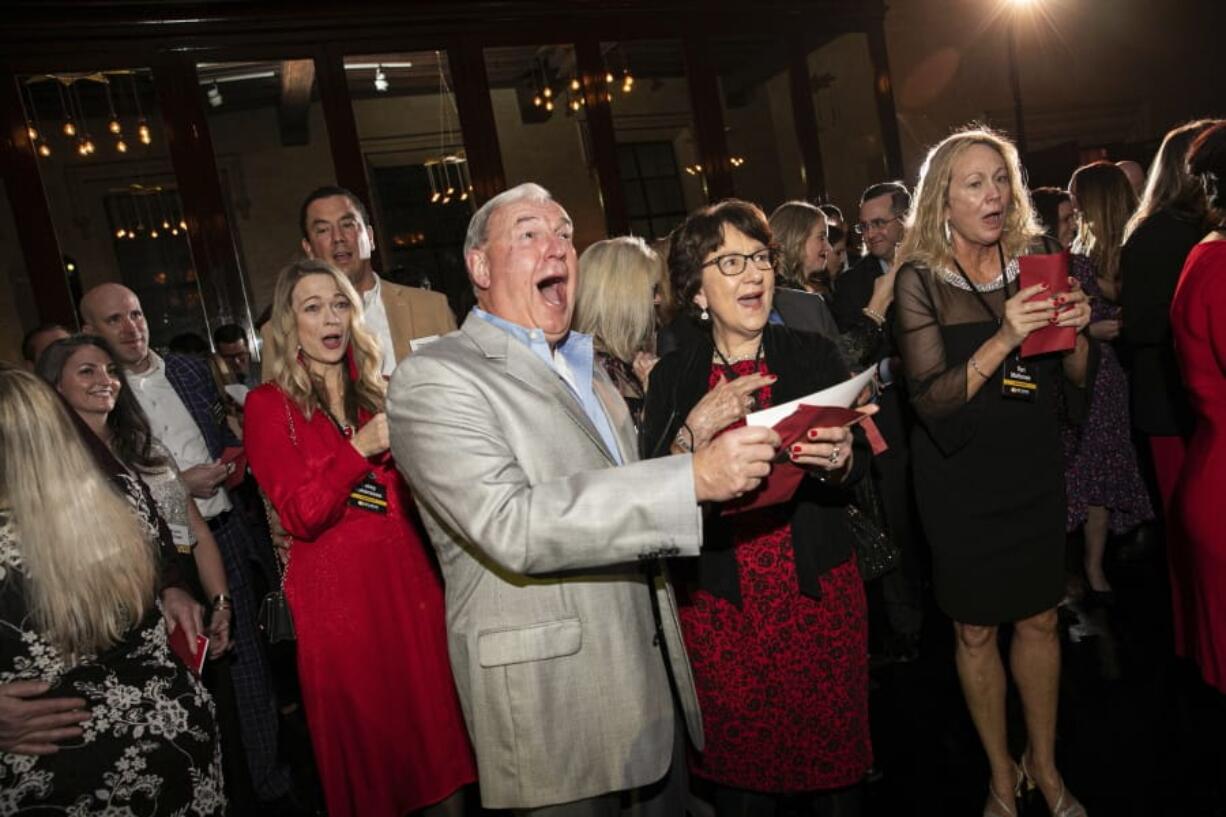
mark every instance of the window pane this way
{"type": "Point", "coordinates": [754, 89]}
{"type": "Point", "coordinates": [409, 130]}
{"type": "Point", "coordinates": [542, 136]}
{"type": "Point", "coordinates": [112, 191]}
{"type": "Point", "coordinates": [271, 147]}
{"type": "Point", "coordinates": [651, 110]}
{"type": "Point", "coordinates": [842, 77]}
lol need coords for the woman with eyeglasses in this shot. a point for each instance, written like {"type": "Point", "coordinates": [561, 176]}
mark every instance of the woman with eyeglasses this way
{"type": "Point", "coordinates": [773, 611]}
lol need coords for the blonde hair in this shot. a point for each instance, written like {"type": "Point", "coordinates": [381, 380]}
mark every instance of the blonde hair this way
{"type": "Point", "coordinates": [925, 242]}
{"type": "Point", "coordinates": [1106, 200]}
{"type": "Point", "coordinates": [1169, 186]}
{"type": "Point", "coordinates": [90, 566]}
{"type": "Point", "coordinates": [615, 299]}
{"type": "Point", "coordinates": [791, 224]}
{"type": "Point", "coordinates": [289, 373]}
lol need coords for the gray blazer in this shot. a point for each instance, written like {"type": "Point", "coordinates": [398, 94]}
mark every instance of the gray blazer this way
{"type": "Point", "coordinates": [542, 543]}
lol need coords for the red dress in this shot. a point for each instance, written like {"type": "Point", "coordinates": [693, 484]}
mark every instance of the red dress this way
{"type": "Point", "coordinates": [1198, 322]}
{"type": "Point", "coordinates": [782, 681]}
{"type": "Point", "coordinates": [367, 603]}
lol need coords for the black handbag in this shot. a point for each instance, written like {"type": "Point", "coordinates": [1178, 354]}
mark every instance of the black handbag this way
{"type": "Point", "coordinates": [876, 555]}
{"type": "Point", "coordinates": [275, 619]}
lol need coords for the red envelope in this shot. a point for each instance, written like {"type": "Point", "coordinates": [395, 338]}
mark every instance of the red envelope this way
{"type": "Point", "coordinates": [785, 475]}
{"type": "Point", "coordinates": [178, 645]}
{"type": "Point", "coordinates": [1052, 270]}
{"type": "Point", "coordinates": [238, 456]}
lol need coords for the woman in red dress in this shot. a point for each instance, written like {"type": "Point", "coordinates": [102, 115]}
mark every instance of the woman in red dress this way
{"type": "Point", "coordinates": [385, 722]}
{"type": "Point", "coordinates": [1198, 322]}
{"type": "Point", "coordinates": [773, 613]}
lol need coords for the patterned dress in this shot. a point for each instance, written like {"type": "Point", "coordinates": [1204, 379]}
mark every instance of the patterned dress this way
{"type": "Point", "coordinates": [782, 681]}
{"type": "Point", "coordinates": [150, 745]}
{"type": "Point", "coordinates": [1100, 461]}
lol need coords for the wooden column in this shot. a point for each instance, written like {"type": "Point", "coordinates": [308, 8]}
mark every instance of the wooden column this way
{"type": "Point", "coordinates": [804, 115]}
{"type": "Point", "coordinates": [600, 130]}
{"type": "Point", "coordinates": [883, 91]}
{"type": "Point", "coordinates": [708, 115]}
{"type": "Point", "coordinates": [476, 111]}
{"type": "Point", "coordinates": [195, 167]}
{"type": "Point", "coordinates": [31, 213]}
{"type": "Point", "coordinates": [342, 125]}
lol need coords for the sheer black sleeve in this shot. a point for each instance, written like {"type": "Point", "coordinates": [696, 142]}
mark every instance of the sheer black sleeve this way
{"type": "Point", "coordinates": [936, 380]}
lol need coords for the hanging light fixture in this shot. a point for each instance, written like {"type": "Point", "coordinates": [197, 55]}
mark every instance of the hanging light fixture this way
{"type": "Point", "coordinates": [213, 94]}
{"type": "Point", "coordinates": [380, 79]}
{"type": "Point", "coordinates": [70, 127]}
{"type": "Point", "coordinates": [113, 125]}
{"type": "Point", "coordinates": [143, 133]}
{"type": "Point", "coordinates": [34, 127]}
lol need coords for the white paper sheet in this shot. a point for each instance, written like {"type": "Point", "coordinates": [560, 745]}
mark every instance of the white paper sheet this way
{"type": "Point", "coordinates": [842, 395]}
{"type": "Point", "coordinates": [237, 391]}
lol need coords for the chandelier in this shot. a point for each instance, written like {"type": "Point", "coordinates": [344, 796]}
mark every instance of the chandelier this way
{"type": "Point", "coordinates": [74, 122]}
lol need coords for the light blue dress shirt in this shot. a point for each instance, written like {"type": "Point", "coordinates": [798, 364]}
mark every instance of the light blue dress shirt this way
{"type": "Point", "coordinates": [578, 358]}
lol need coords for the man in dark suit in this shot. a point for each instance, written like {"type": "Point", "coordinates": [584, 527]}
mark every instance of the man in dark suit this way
{"type": "Point", "coordinates": [882, 210]}
{"type": "Point", "coordinates": [186, 415]}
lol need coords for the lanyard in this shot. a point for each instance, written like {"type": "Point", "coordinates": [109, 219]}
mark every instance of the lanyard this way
{"type": "Point", "coordinates": [979, 295]}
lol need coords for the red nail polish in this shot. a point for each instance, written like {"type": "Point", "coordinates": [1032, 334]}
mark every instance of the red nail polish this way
{"type": "Point", "coordinates": [796, 449]}
{"type": "Point", "coordinates": [812, 434]}
{"type": "Point", "coordinates": [1045, 286]}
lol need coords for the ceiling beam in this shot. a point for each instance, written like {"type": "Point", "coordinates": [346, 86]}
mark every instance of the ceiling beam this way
{"type": "Point", "coordinates": [293, 113]}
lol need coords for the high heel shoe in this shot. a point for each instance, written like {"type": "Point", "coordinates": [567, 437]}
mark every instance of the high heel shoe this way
{"type": "Point", "coordinates": [997, 807]}
{"type": "Point", "coordinates": [1066, 804]}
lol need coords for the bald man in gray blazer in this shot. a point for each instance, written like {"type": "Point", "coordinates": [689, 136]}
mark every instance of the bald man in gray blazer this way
{"type": "Point", "coordinates": [523, 460]}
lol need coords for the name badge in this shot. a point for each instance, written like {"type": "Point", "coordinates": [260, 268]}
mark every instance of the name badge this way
{"type": "Point", "coordinates": [181, 536]}
{"type": "Point", "coordinates": [369, 495]}
{"type": "Point", "coordinates": [1017, 382]}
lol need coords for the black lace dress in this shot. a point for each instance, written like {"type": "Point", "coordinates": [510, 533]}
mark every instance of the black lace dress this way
{"type": "Point", "coordinates": [989, 472]}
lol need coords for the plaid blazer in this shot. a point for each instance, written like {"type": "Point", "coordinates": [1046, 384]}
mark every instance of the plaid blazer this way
{"type": "Point", "coordinates": [193, 382]}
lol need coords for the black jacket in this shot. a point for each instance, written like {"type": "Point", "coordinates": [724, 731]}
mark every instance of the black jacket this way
{"type": "Point", "coordinates": [804, 363]}
{"type": "Point", "coordinates": [1150, 263]}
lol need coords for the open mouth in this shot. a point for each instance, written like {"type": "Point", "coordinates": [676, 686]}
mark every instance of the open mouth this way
{"type": "Point", "coordinates": [342, 257]}
{"type": "Point", "coordinates": [752, 300]}
{"type": "Point", "coordinates": [553, 290]}
{"type": "Point", "coordinates": [332, 342]}
{"type": "Point", "coordinates": [993, 219]}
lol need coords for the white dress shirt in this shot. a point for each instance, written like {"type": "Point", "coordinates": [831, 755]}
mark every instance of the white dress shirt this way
{"type": "Point", "coordinates": [376, 321]}
{"type": "Point", "coordinates": [174, 427]}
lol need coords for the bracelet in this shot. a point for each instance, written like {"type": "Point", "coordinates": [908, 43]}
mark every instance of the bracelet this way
{"type": "Point", "coordinates": [221, 601]}
{"type": "Point", "coordinates": [686, 446]}
{"type": "Point", "coordinates": [978, 370]}
{"type": "Point", "coordinates": [877, 317]}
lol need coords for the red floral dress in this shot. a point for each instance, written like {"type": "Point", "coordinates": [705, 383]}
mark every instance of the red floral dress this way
{"type": "Point", "coordinates": [782, 680]}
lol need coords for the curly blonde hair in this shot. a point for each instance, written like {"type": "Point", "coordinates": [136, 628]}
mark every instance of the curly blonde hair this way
{"type": "Point", "coordinates": [289, 373]}
{"type": "Point", "coordinates": [925, 243]}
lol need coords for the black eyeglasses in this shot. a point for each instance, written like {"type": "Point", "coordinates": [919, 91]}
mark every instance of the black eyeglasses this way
{"type": "Point", "coordinates": [863, 227]}
{"type": "Point", "coordinates": [732, 264]}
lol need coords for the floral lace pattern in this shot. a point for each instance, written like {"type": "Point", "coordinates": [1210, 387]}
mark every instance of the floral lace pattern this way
{"type": "Point", "coordinates": [150, 746]}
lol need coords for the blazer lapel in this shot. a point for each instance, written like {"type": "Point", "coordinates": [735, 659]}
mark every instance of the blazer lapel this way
{"type": "Point", "coordinates": [533, 372]}
{"type": "Point", "coordinates": [618, 413]}
{"type": "Point", "coordinates": [399, 320]}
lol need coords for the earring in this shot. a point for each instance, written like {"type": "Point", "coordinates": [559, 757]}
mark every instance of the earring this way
{"type": "Point", "coordinates": [948, 234]}
{"type": "Point", "coordinates": [704, 316]}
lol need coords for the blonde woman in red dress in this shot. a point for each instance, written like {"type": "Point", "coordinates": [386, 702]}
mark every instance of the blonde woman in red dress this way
{"type": "Point", "coordinates": [367, 603]}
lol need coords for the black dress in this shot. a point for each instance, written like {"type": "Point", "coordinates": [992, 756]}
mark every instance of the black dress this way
{"type": "Point", "coordinates": [150, 745]}
{"type": "Point", "coordinates": [989, 472]}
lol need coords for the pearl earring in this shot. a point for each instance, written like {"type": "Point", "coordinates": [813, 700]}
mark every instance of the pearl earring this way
{"type": "Point", "coordinates": [704, 316]}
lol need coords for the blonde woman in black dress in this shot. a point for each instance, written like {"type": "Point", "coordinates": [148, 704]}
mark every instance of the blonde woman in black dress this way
{"type": "Point", "coordinates": [988, 465]}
